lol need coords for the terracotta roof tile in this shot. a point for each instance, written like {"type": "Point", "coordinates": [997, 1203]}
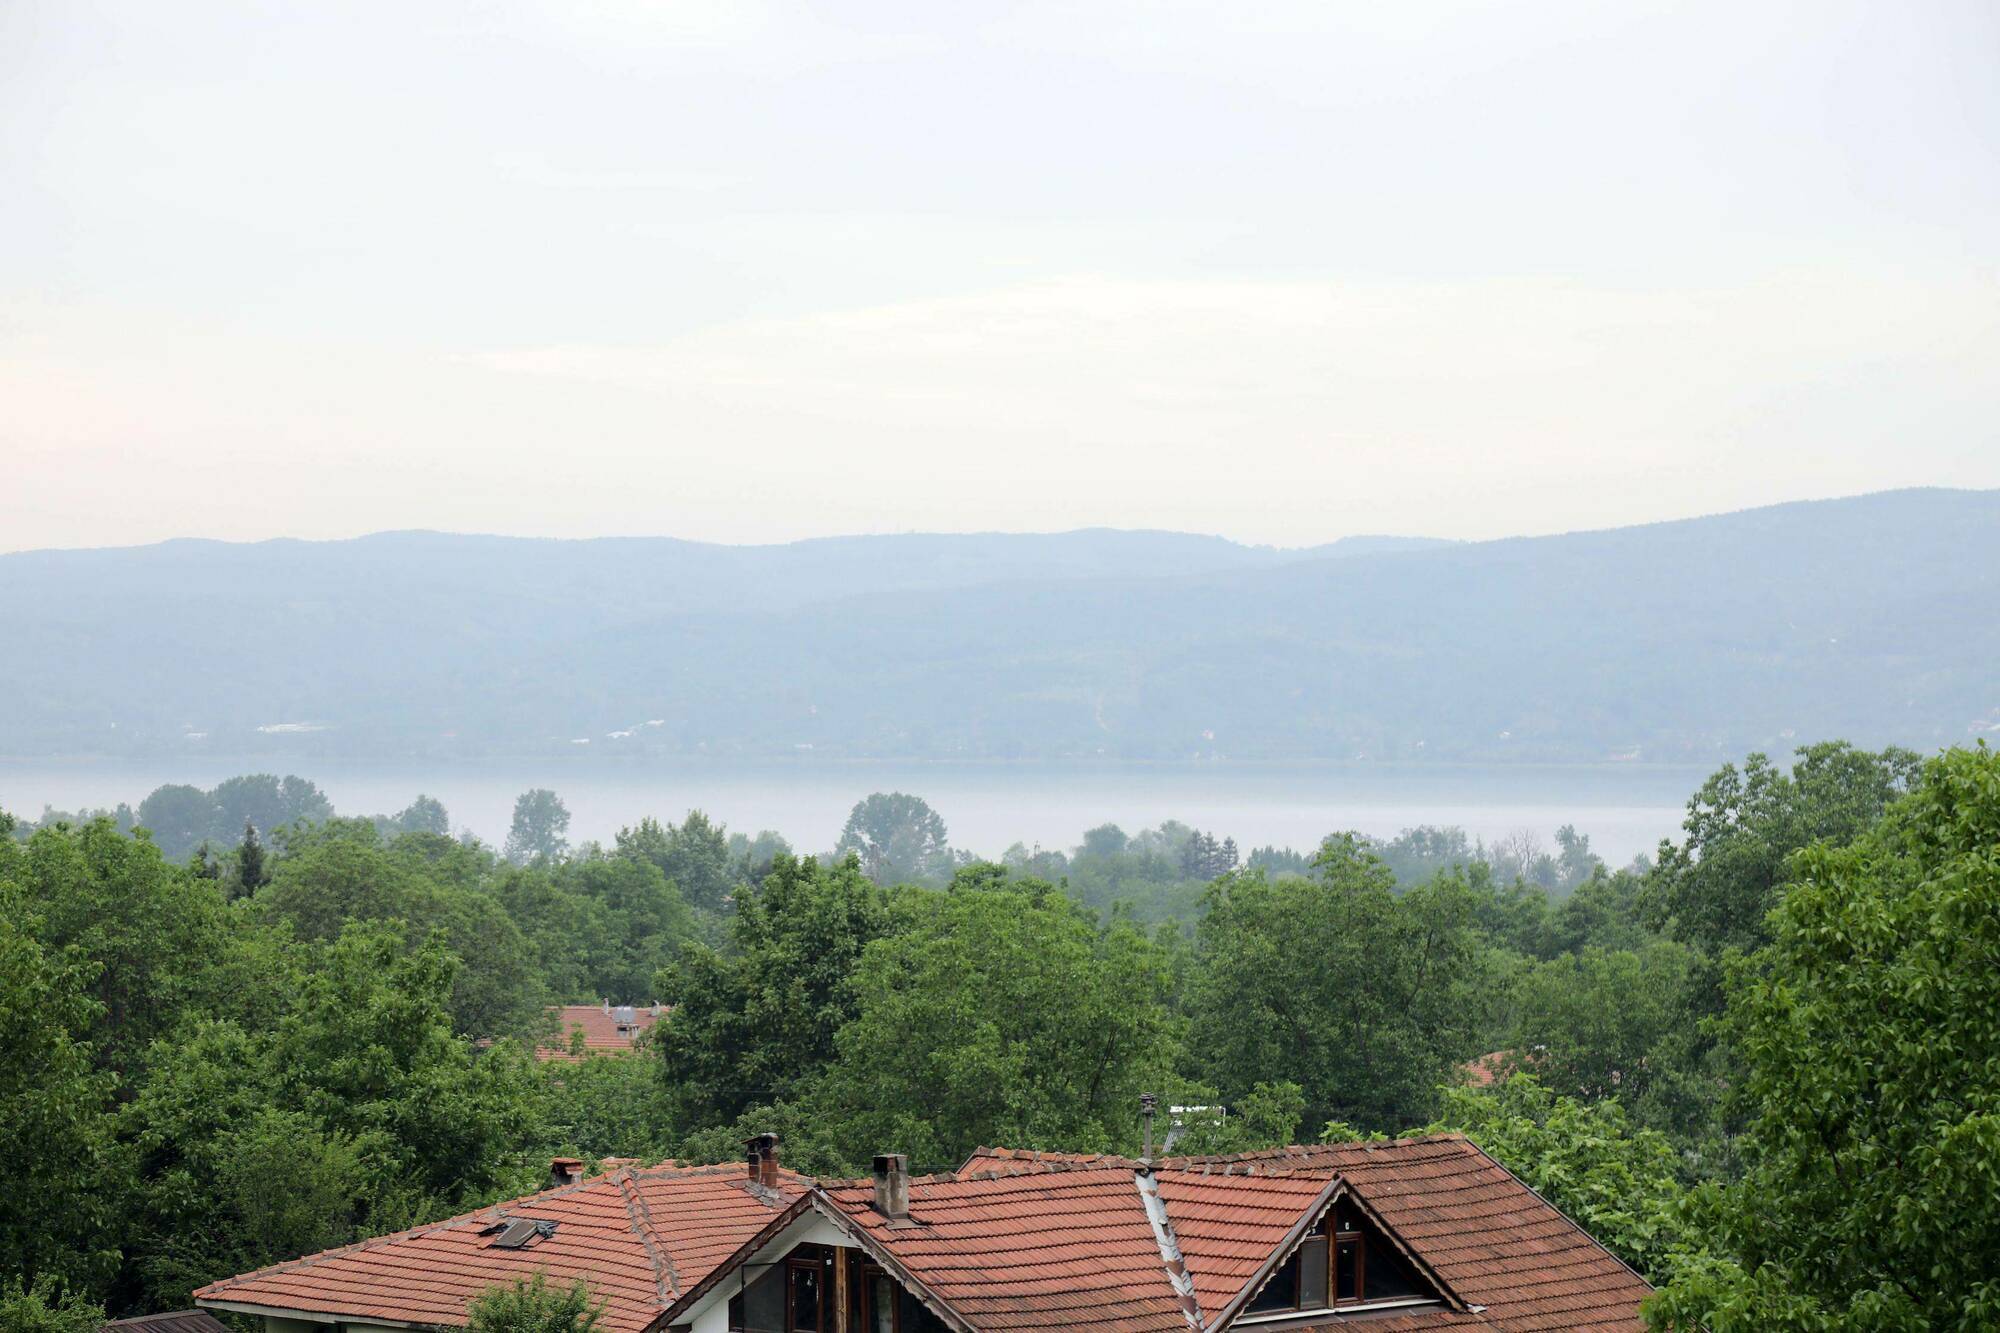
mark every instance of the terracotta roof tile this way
{"type": "Point", "coordinates": [639, 1237]}
{"type": "Point", "coordinates": [1015, 1241]}
{"type": "Point", "coordinates": [1494, 1241]}
{"type": "Point", "coordinates": [604, 1032]}
{"type": "Point", "coordinates": [1031, 1247]}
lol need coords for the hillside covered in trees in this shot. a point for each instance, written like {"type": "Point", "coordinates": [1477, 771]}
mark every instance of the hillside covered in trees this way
{"type": "Point", "coordinates": [324, 1029]}
{"type": "Point", "coordinates": [1876, 618]}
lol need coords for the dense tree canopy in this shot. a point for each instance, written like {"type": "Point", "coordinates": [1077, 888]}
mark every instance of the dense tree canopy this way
{"type": "Point", "coordinates": [1871, 1048]}
{"type": "Point", "coordinates": [201, 1072]}
{"type": "Point", "coordinates": [1331, 981]}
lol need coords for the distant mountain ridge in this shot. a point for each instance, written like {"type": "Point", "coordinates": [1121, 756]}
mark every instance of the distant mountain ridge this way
{"type": "Point", "coordinates": [1875, 618]}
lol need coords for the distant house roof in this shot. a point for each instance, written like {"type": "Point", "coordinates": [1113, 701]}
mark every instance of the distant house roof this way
{"type": "Point", "coordinates": [175, 1321]}
{"type": "Point", "coordinates": [608, 1029]}
{"type": "Point", "coordinates": [1012, 1241]}
{"type": "Point", "coordinates": [1490, 1068]}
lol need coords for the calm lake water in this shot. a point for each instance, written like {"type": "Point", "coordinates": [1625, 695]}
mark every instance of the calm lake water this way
{"type": "Point", "coordinates": [1625, 808]}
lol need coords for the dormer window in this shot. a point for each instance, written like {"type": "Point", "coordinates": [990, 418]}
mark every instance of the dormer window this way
{"type": "Point", "coordinates": [1344, 1260]}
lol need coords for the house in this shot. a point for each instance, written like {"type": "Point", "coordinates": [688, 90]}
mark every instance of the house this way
{"type": "Point", "coordinates": [607, 1028]}
{"type": "Point", "coordinates": [172, 1321]}
{"type": "Point", "coordinates": [1406, 1234]}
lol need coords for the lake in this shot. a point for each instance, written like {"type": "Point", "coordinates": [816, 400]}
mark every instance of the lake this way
{"type": "Point", "coordinates": [1625, 808]}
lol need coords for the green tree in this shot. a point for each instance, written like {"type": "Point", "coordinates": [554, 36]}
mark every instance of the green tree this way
{"type": "Point", "coordinates": [1715, 889]}
{"type": "Point", "coordinates": [180, 818]}
{"type": "Point", "coordinates": [541, 827]}
{"type": "Point", "coordinates": [898, 838]}
{"type": "Point", "coordinates": [1362, 998]}
{"type": "Point", "coordinates": [695, 856]}
{"type": "Point", "coordinates": [531, 1305]}
{"type": "Point", "coordinates": [154, 939]}
{"type": "Point", "coordinates": [1870, 1045]}
{"type": "Point", "coordinates": [45, 1306]}
{"type": "Point", "coordinates": [758, 1025]}
{"type": "Point", "coordinates": [336, 872]}
{"type": "Point", "coordinates": [250, 874]}
{"type": "Point", "coordinates": [1589, 1024]}
{"type": "Point", "coordinates": [1617, 1181]}
{"type": "Point", "coordinates": [58, 1209]}
{"type": "Point", "coordinates": [1000, 1015]}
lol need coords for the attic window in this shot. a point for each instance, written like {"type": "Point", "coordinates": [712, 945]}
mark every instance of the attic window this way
{"type": "Point", "coordinates": [518, 1233]}
{"type": "Point", "coordinates": [1344, 1257]}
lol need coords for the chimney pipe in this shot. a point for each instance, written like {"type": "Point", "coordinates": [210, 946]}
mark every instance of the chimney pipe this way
{"type": "Point", "coordinates": [1148, 1102]}
{"type": "Point", "coordinates": [761, 1157]}
{"type": "Point", "coordinates": [892, 1186]}
{"type": "Point", "coordinates": [565, 1171]}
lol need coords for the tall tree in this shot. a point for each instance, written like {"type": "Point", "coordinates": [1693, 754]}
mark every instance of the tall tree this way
{"type": "Point", "coordinates": [898, 838]}
{"type": "Point", "coordinates": [757, 1025]}
{"type": "Point", "coordinates": [250, 875]}
{"type": "Point", "coordinates": [1333, 982]}
{"type": "Point", "coordinates": [541, 827]}
{"type": "Point", "coordinates": [1000, 1015]}
{"type": "Point", "coordinates": [1871, 1050]}
{"type": "Point", "coordinates": [1715, 888]}
{"type": "Point", "coordinates": [58, 1208]}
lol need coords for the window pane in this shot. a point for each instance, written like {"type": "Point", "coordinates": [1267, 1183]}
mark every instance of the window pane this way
{"type": "Point", "coordinates": [881, 1306]}
{"type": "Point", "coordinates": [1282, 1291]}
{"type": "Point", "coordinates": [805, 1299]}
{"type": "Point", "coordinates": [1312, 1273]}
{"type": "Point", "coordinates": [1344, 1284]}
{"type": "Point", "coordinates": [760, 1308]}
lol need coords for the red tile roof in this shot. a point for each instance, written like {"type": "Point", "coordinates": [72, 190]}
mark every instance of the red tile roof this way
{"type": "Point", "coordinates": [639, 1237]}
{"type": "Point", "coordinates": [602, 1031]}
{"type": "Point", "coordinates": [1066, 1246]}
{"type": "Point", "coordinates": [1015, 1241]}
{"type": "Point", "coordinates": [1491, 1239]}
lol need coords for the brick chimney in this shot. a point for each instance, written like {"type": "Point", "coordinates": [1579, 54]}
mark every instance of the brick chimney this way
{"type": "Point", "coordinates": [565, 1171]}
{"type": "Point", "coordinates": [761, 1159]}
{"type": "Point", "coordinates": [892, 1186]}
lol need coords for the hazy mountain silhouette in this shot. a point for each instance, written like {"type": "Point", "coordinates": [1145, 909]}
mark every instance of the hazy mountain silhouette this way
{"type": "Point", "coordinates": [1875, 618]}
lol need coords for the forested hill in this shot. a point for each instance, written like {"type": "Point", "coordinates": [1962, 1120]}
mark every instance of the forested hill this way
{"type": "Point", "coordinates": [1876, 618]}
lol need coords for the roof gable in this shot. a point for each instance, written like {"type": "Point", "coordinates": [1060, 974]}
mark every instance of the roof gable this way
{"type": "Point", "coordinates": [1489, 1237]}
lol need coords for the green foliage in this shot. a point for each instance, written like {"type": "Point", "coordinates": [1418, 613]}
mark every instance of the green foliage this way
{"type": "Point", "coordinates": [531, 1305]}
{"type": "Point", "coordinates": [757, 1026]}
{"type": "Point", "coordinates": [150, 935]}
{"type": "Point", "coordinates": [1362, 998]}
{"type": "Point", "coordinates": [694, 856]}
{"type": "Point", "coordinates": [540, 831]}
{"type": "Point", "coordinates": [1617, 1181]}
{"type": "Point", "coordinates": [1000, 1015]}
{"type": "Point", "coordinates": [250, 874]}
{"type": "Point", "coordinates": [1588, 1024]}
{"type": "Point", "coordinates": [182, 818]}
{"type": "Point", "coordinates": [1870, 1046]}
{"type": "Point", "coordinates": [898, 839]}
{"type": "Point", "coordinates": [337, 872]}
{"type": "Point", "coordinates": [1268, 1116]}
{"type": "Point", "coordinates": [56, 1212]}
{"type": "Point", "coordinates": [44, 1306]}
{"type": "Point", "coordinates": [1715, 889]}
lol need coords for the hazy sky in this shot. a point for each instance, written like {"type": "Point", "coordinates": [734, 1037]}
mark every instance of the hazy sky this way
{"type": "Point", "coordinates": [747, 272]}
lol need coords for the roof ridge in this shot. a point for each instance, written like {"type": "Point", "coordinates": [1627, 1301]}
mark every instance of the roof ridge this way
{"type": "Point", "coordinates": [1297, 1150]}
{"type": "Point", "coordinates": [666, 1276]}
{"type": "Point", "coordinates": [1171, 1259]}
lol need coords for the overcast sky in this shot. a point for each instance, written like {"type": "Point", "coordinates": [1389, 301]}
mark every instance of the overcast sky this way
{"type": "Point", "coordinates": [748, 272]}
